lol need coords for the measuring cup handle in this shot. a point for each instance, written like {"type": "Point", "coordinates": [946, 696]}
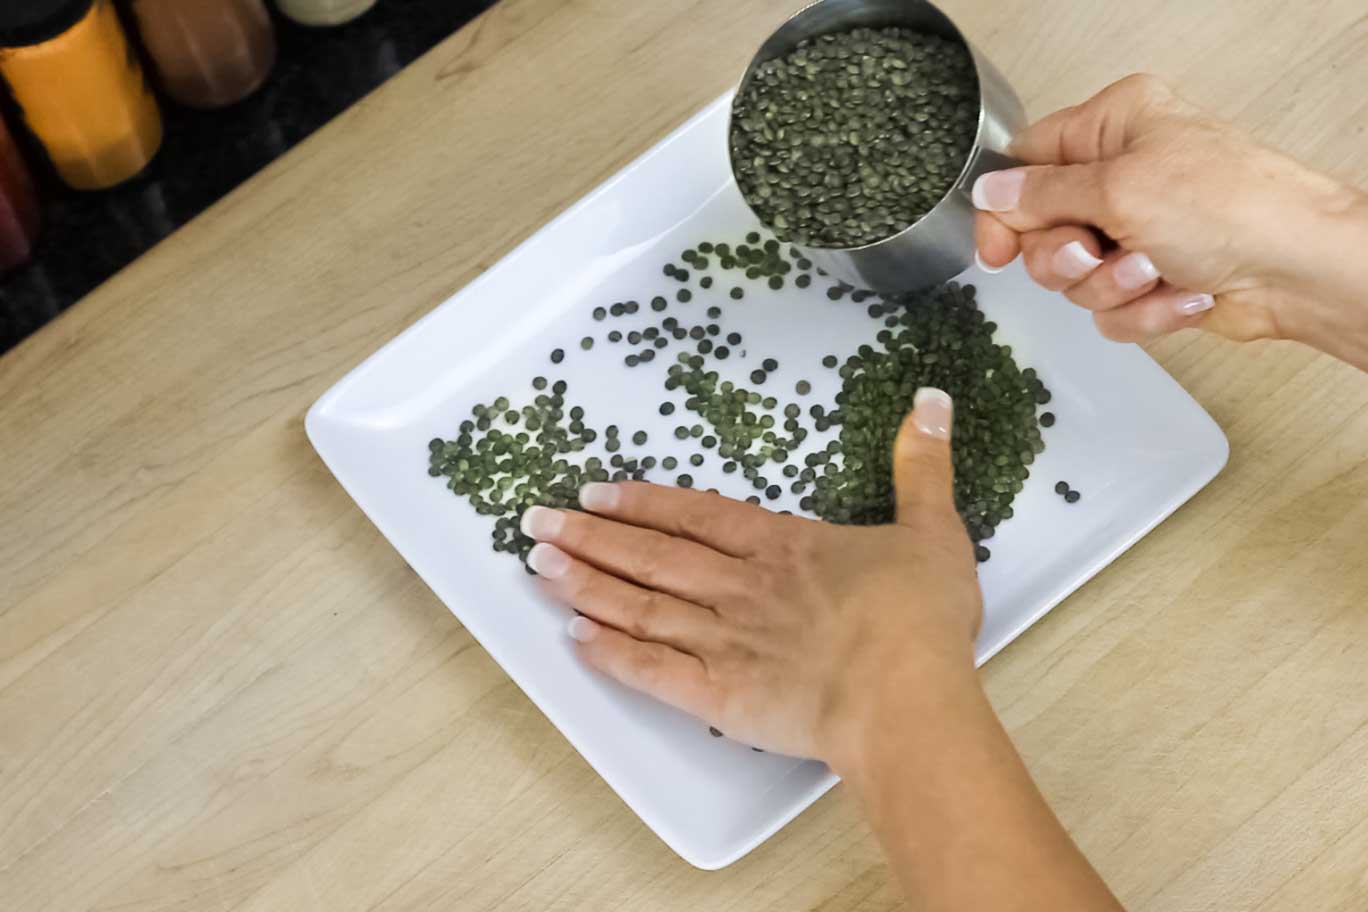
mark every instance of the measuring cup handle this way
{"type": "Point", "coordinates": [984, 160]}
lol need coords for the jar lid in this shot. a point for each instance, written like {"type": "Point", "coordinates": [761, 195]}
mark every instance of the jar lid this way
{"type": "Point", "coordinates": [35, 21]}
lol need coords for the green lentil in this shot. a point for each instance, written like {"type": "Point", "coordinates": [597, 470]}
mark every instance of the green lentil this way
{"type": "Point", "coordinates": [858, 174]}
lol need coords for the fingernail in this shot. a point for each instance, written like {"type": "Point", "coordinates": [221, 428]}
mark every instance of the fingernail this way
{"type": "Point", "coordinates": [1134, 270]}
{"type": "Point", "coordinates": [549, 561]}
{"type": "Point", "coordinates": [999, 191]}
{"type": "Point", "coordinates": [991, 270]}
{"type": "Point", "coordinates": [541, 523]}
{"type": "Point", "coordinates": [1190, 307]}
{"type": "Point", "coordinates": [582, 629]}
{"type": "Point", "coordinates": [599, 496]}
{"type": "Point", "coordinates": [933, 412]}
{"type": "Point", "coordinates": [1073, 261]}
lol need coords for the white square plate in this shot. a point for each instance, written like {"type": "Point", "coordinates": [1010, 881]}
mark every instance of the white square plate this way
{"type": "Point", "coordinates": [1128, 437]}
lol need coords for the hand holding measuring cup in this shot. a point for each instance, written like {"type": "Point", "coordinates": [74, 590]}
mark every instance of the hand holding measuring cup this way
{"type": "Point", "coordinates": [1157, 218]}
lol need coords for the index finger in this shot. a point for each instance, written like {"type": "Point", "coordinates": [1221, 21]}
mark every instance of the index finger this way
{"type": "Point", "coordinates": [656, 560]}
{"type": "Point", "coordinates": [729, 526]}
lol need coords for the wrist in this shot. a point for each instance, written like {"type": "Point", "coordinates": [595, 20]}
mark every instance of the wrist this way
{"type": "Point", "coordinates": [910, 705]}
{"type": "Point", "coordinates": [1325, 289]}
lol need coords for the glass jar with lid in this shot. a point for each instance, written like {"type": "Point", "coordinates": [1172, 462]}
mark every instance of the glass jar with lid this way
{"type": "Point", "coordinates": [324, 12]}
{"type": "Point", "coordinates": [81, 89]}
{"type": "Point", "coordinates": [208, 53]}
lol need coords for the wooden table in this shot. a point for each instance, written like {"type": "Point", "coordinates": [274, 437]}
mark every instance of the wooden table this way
{"type": "Point", "coordinates": [221, 689]}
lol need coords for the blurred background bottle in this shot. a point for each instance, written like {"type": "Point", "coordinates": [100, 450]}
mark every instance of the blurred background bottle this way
{"type": "Point", "coordinates": [324, 12]}
{"type": "Point", "coordinates": [82, 92]}
{"type": "Point", "coordinates": [19, 212]}
{"type": "Point", "coordinates": [208, 53]}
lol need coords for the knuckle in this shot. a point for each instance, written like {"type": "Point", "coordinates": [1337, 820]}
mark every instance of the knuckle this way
{"type": "Point", "coordinates": [771, 581]}
{"type": "Point", "coordinates": [578, 585]}
{"type": "Point", "coordinates": [1118, 187]}
{"type": "Point", "coordinates": [647, 664]}
{"type": "Point", "coordinates": [644, 618]}
{"type": "Point", "coordinates": [573, 533]}
{"type": "Point", "coordinates": [700, 520]}
{"type": "Point", "coordinates": [1146, 87]}
{"type": "Point", "coordinates": [1040, 267]}
{"type": "Point", "coordinates": [787, 549]}
{"type": "Point", "coordinates": [1111, 328]}
{"type": "Point", "coordinates": [1085, 296]}
{"type": "Point", "coordinates": [648, 558]}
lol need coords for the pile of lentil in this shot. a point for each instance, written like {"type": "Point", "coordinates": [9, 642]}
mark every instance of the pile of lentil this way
{"type": "Point", "coordinates": [937, 338]}
{"type": "Point", "coordinates": [853, 136]}
{"type": "Point", "coordinates": [509, 456]}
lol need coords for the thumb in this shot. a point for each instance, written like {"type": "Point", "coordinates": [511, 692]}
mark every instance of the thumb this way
{"type": "Point", "coordinates": [1037, 197]}
{"type": "Point", "coordinates": [923, 477]}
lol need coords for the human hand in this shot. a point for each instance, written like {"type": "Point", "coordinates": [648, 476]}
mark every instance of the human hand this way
{"type": "Point", "coordinates": [785, 633]}
{"type": "Point", "coordinates": [1157, 218]}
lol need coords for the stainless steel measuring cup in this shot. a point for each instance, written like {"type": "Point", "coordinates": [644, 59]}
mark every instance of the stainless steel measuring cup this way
{"type": "Point", "coordinates": [939, 245]}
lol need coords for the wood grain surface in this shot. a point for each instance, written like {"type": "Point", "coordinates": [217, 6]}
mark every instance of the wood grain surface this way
{"type": "Point", "coordinates": [221, 689]}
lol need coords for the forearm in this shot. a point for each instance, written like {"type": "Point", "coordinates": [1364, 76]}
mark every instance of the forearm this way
{"type": "Point", "coordinates": [962, 823]}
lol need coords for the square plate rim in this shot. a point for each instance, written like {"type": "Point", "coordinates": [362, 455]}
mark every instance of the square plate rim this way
{"type": "Point", "coordinates": [317, 416]}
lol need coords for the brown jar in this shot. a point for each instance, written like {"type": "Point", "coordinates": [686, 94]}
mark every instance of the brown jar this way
{"type": "Point", "coordinates": [208, 53]}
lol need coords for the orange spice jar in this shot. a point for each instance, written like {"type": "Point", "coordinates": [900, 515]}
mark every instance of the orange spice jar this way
{"type": "Point", "coordinates": [83, 94]}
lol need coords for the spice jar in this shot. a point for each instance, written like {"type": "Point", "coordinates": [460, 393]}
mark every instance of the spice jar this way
{"type": "Point", "coordinates": [19, 214]}
{"type": "Point", "coordinates": [83, 94]}
{"type": "Point", "coordinates": [208, 53]}
{"type": "Point", "coordinates": [324, 12]}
